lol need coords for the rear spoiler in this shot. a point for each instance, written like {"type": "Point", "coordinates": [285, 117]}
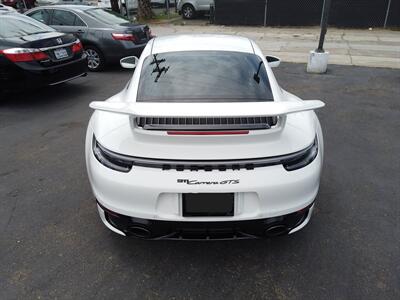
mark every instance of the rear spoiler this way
{"type": "Point", "coordinates": [231, 109]}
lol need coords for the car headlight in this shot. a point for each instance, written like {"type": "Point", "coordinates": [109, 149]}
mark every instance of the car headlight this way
{"type": "Point", "coordinates": [110, 159]}
{"type": "Point", "coordinates": [302, 158]}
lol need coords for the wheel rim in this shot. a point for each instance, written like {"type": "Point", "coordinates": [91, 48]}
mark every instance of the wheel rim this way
{"type": "Point", "coordinates": [187, 12]}
{"type": "Point", "coordinates": [93, 59]}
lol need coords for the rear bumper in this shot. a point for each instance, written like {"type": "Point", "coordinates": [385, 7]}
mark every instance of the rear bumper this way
{"type": "Point", "coordinates": [151, 193]}
{"type": "Point", "coordinates": [178, 230]}
{"type": "Point", "coordinates": [23, 75]}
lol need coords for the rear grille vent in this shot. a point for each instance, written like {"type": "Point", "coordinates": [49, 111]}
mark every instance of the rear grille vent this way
{"type": "Point", "coordinates": [206, 123]}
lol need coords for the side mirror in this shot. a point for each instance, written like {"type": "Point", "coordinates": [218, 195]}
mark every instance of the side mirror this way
{"type": "Point", "coordinates": [129, 62]}
{"type": "Point", "coordinates": [273, 61]}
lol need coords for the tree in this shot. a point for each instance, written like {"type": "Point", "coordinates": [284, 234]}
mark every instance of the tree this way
{"type": "Point", "coordinates": [144, 10]}
{"type": "Point", "coordinates": [115, 6]}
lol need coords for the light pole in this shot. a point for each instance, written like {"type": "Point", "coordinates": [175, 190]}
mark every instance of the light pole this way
{"type": "Point", "coordinates": [324, 24]}
{"type": "Point", "coordinates": [318, 59]}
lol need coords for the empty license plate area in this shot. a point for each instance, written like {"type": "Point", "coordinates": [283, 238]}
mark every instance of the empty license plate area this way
{"type": "Point", "coordinates": [208, 204]}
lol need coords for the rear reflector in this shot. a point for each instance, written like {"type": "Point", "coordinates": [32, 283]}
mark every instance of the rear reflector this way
{"type": "Point", "coordinates": [124, 37]}
{"type": "Point", "coordinates": [207, 132]}
{"type": "Point", "coordinates": [23, 54]}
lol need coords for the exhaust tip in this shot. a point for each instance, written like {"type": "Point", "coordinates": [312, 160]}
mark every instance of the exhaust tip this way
{"type": "Point", "coordinates": [276, 230]}
{"type": "Point", "coordinates": [140, 232]}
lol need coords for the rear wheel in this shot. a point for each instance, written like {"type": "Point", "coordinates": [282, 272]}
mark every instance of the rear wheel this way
{"type": "Point", "coordinates": [188, 11]}
{"type": "Point", "coordinates": [95, 59]}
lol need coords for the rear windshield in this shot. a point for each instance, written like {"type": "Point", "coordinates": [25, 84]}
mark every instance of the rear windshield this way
{"type": "Point", "coordinates": [201, 76]}
{"type": "Point", "coordinates": [19, 25]}
{"type": "Point", "coordinates": [106, 16]}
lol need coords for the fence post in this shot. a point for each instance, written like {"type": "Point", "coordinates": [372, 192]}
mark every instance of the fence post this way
{"type": "Point", "coordinates": [387, 13]}
{"type": "Point", "coordinates": [265, 13]}
{"type": "Point", "coordinates": [127, 9]}
{"type": "Point", "coordinates": [167, 7]}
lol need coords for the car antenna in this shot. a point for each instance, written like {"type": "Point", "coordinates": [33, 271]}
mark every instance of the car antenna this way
{"type": "Point", "coordinates": [256, 77]}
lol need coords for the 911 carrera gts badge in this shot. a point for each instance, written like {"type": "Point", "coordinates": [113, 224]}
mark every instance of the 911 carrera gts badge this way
{"type": "Point", "coordinates": [193, 182]}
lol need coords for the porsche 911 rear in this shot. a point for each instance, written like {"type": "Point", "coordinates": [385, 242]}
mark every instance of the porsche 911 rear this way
{"type": "Point", "coordinates": [204, 144]}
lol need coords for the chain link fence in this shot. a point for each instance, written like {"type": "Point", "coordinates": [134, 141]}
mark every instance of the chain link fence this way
{"type": "Point", "coordinates": [343, 13]}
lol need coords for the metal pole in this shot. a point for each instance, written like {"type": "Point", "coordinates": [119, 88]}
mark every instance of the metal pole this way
{"type": "Point", "coordinates": [127, 9]}
{"type": "Point", "coordinates": [167, 7]}
{"type": "Point", "coordinates": [387, 13]}
{"type": "Point", "coordinates": [265, 13]}
{"type": "Point", "coordinates": [324, 25]}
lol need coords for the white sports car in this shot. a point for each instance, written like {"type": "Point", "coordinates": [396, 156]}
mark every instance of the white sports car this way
{"type": "Point", "coordinates": [202, 143]}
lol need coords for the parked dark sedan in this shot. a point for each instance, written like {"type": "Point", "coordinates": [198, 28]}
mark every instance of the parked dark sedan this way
{"type": "Point", "coordinates": [33, 54]}
{"type": "Point", "coordinates": [106, 36]}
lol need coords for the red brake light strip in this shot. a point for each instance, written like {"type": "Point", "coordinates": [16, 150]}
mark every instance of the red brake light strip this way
{"type": "Point", "coordinates": [208, 132]}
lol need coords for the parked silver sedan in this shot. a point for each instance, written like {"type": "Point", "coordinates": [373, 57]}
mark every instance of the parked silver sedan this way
{"type": "Point", "coordinates": [189, 9]}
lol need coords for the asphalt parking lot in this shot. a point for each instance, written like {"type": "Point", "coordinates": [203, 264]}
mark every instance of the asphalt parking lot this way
{"type": "Point", "coordinates": [53, 244]}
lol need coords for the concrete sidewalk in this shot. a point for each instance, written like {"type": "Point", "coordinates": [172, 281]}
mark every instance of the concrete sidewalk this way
{"type": "Point", "coordinates": [358, 47]}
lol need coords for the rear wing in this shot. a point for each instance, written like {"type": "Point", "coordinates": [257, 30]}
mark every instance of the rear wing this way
{"type": "Point", "coordinates": [231, 109]}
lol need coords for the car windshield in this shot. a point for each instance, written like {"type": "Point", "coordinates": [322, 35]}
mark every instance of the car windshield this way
{"type": "Point", "coordinates": [201, 76]}
{"type": "Point", "coordinates": [106, 16]}
{"type": "Point", "coordinates": [19, 25]}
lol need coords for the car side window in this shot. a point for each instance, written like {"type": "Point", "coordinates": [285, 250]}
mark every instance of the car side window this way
{"type": "Point", "coordinates": [79, 22]}
{"type": "Point", "coordinates": [63, 18]}
{"type": "Point", "coordinates": [42, 15]}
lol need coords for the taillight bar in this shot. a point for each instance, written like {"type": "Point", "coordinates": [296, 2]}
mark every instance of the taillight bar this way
{"type": "Point", "coordinates": [124, 37]}
{"type": "Point", "coordinates": [24, 54]}
{"type": "Point", "coordinates": [208, 132]}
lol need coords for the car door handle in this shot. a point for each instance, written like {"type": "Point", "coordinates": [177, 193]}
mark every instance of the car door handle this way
{"type": "Point", "coordinates": [80, 31]}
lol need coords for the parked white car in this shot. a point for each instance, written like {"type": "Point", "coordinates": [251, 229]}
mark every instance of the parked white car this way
{"type": "Point", "coordinates": [132, 4]}
{"type": "Point", "coordinates": [6, 8]}
{"type": "Point", "coordinates": [202, 143]}
{"type": "Point", "coordinates": [190, 8]}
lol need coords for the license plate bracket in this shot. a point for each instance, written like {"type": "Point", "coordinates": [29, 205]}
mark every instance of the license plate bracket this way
{"type": "Point", "coordinates": [208, 204]}
{"type": "Point", "coordinates": [60, 53]}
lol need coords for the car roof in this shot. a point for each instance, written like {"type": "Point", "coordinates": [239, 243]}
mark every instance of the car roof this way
{"type": "Point", "coordinates": [202, 42]}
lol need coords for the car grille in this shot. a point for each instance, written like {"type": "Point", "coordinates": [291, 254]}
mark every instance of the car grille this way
{"type": "Point", "coordinates": [205, 123]}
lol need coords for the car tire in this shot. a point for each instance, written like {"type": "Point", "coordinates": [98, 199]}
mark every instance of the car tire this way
{"type": "Point", "coordinates": [188, 11]}
{"type": "Point", "coordinates": [95, 59]}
